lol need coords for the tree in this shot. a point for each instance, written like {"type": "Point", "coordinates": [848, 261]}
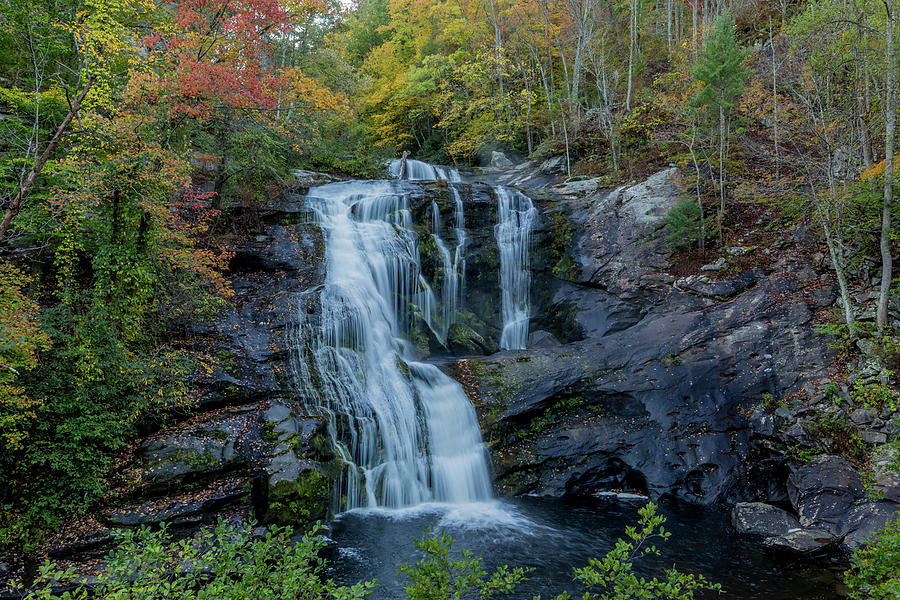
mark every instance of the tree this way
{"type": "Point", "coordinates": [722, 76]}
{"type": "Point", "coordinates": [612, 577]}
{"type": "Point", "coordinates": [890, 119]}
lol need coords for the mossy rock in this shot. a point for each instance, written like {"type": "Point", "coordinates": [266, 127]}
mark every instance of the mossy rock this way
{"type": "Point", "coordinates": [462, 339]}
{"type": "Point", "coordinates": [299, 491]}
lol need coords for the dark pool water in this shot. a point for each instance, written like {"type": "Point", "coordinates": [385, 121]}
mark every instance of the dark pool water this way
{"type": "Point", "coordinates": [554, 536]}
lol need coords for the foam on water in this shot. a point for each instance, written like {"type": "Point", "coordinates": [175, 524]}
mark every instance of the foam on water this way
{"type": "Point", "coordinates": [406, 432]}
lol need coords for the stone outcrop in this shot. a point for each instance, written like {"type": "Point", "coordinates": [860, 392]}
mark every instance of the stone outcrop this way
{"type": "Point", "coordinates": [641, 380]}
{"type": "Point", "coordinates": [758, 518]}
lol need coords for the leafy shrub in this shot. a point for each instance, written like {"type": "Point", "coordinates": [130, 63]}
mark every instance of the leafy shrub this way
{"type": "Point", "coordinates": [612, 577]}
{"type": "Point", "coordinates": [223, 563]}
{"type": "Point", "coordinates": [874, 572]}
{"type": "Point", "coordinates": [844, 438]}
{"type": "Point", "coordinates": [439, 577]}
{"type": "Point", "coordinates": [875, 395]}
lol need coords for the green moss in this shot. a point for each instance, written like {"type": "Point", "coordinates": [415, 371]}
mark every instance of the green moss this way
{"type": "Point", "coordinates": [402, 367]}
{"type": "Point", "coordinates": [462, 338]}
{"type": "Point", "coordinates": [672, 360]}
{"type": "Point", "coordinates": [227, 362]}
{"type": "Point", "coordinates": [268, 433]}
{"type": "Point", "coordinates": [300, 501]}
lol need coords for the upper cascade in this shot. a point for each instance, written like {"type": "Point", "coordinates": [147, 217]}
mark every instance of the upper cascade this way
{"type": "Point", "coordinates": [513, 232]}
{"type": "Point", "coordinates": [405, 431]}
{"type": "Point", "coordinates": [416, 170]}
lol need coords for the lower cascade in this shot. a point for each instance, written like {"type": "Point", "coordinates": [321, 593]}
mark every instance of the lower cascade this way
{"type": "Point", "coordinates": [405, 431]}
{"type": "Point", "coordinates": [513, 232]}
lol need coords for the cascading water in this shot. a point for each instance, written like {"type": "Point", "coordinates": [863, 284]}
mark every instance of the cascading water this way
{"type": "Point", "coordinates": [406, 432]}
{"type": "Point", "coordinates": [513, 233]}
{"type": "Point", "coordinates": [449, 286]}
{"type": "Point", "coordinates": [416, 170]}
{"type": "Point", "coordinates": [462, 243]}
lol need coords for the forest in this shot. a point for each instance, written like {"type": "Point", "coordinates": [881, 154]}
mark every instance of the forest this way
{"type": "Point", "coordinates": [142, 143]}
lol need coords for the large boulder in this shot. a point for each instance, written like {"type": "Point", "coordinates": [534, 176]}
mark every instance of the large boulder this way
{"type": "Point", "coordinates": [297, 475]}
{"type": "Point", "coordinates": [824, 490]}
{"type": "Point", "coordinates": [204, 448]}
{"type": "Point", "coordinates": [758, 518]}
{"type": "Point", "coordinates": [866, 517]}
{"type": "Point", "coordinates": [887, 475]}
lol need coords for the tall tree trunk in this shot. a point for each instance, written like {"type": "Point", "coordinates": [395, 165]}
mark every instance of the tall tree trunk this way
{"type": "Point", "coordinates": [702, 242]}
{"type": "Point", "coordinates": [16, 205]}
{"type": "Point", "coordinates": [722, 174]}
{"type": "Point", "coordinates": [498, 43]}
{"type": "Point", "coordinates": [669, 25]}
{"type": "Point", "coordinates": [695, 23]}
{"type": "Point", "coordinates": [527, 100]}
{"type": "Point", "coordinates": [837, 265]}
{"type": "Point", "coordinates": [774, 100]}
{"type": "Point", "coordinates": [866, 141]}
{"type": "Point", "coordinates": [890, 117]}
{"type": "Point", "coordinates": [632, 34]}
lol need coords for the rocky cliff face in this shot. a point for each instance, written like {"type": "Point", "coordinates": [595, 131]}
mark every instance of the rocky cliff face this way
{"type": "Point", "coordinates": [651, 392]}
{"type": "Point", "coordinates": [635, 379]}
{"type": "Point", "coordinates": [653, 382]}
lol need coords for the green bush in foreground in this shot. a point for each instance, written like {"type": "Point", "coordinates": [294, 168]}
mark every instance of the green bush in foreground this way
{"type": "Point", "coordinates": [874, 572]}
{"type": "Point", "coordinates": [438, 577]}
{"type": "Point", "coordinates": [228, 563]}
{"type": "Point", "coordinates": [222, 563]}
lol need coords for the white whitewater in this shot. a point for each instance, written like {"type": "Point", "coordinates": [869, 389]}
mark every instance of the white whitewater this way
{"type": "Point", "coordinates": [513, 233]}
{"type": "Point", "coordinates": [449, 292]}
{"type": "Point", "coordinates": [406, 432]}
{"type": "Point", "coordinates": [462, 243]}
{"type": "Point", "coordinates": [416, 170]}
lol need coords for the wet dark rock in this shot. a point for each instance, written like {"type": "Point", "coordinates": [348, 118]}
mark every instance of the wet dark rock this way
{"type": "Point", "coordinates": [542, 339]}
{"type": "Point", "coordinates": [763, 423]}
{"type": "Point", "coordinates": [652, 386]}
{"type": "Point", "coordinates": [189, 511]}
{"type": "Point", "coordinates": [463, 340]}
{"type": "Point", "coordinates": [657, 407]}
{"type": "Point", "coordinates": [824, 490]}
{"type": "Point", "coordinates": [762, 519]}
{"type": "Point", "coordinates": [809, 543]}
{"type": "Point", "coordinates": [866, 517]}
{"type": "Point", "coordinates": [702, 285]}
{"type": "Point", "coordinates": [863, 416]}
{"type": "Point", "coordinates": [253, 332]}
{"type": "Point", "coordinates": [299, 491]}
{"type": "Point", "coordinates": [203, 450]}
{"type": "Point", "coordinates": [94, 545]}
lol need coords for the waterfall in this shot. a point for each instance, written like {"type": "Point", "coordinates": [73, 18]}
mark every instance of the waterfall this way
{"type": "Point", "coordinates": [462, 243]}
{"type": "Point", "coordinates": [513, 233]}
{"type": "Point", "coordinates": [405, 432]}
{"type": "Point", "coordinates": [449, 286]}
{"type": "Point", "coordinates": [421, 171]}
